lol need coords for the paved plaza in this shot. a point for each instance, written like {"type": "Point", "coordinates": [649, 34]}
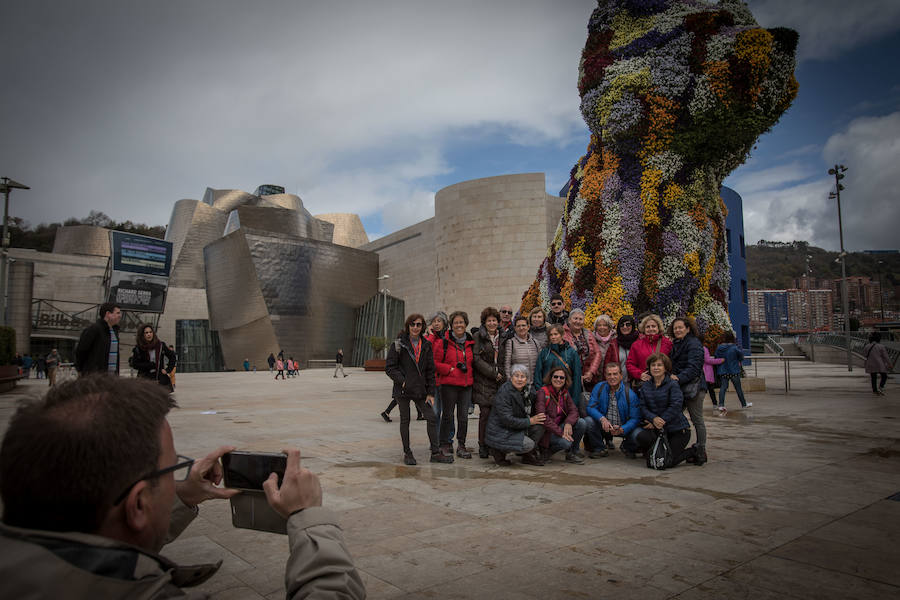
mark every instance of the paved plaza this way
{"type": "Point", "coordinates": [794, 503]}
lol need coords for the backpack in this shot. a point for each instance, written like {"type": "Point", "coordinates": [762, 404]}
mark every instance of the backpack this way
{"type": "Point", "coordinates": [659, 456]}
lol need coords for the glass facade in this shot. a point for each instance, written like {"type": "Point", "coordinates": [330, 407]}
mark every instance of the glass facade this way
{"type": "Point", "coordinates": [198, 348]}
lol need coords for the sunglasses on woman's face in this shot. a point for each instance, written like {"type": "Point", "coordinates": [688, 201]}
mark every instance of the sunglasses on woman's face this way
{"type": "Point", "coordinates": [563, 377]}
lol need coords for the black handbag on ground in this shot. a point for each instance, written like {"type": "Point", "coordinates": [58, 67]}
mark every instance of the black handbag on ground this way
{"type": "Point", "coordinates": [659, 456]}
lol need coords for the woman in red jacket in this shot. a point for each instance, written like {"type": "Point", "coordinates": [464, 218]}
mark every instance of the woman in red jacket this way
{"type": "Point", "coordinates": [563, 429]}
{"type": "Point", "coordinates": [453, 362]}
{"type": "Point", "coordinates": [651, 341]}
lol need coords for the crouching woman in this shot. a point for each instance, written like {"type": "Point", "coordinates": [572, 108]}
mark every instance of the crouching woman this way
{"type": "Point", "coordinates": [509, 429]}
{"type": "Point", "coordinates": [661, 404]}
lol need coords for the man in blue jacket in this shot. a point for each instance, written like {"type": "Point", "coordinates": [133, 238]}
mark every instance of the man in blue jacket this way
{"type": "Point", "coordinates": [613, 410]}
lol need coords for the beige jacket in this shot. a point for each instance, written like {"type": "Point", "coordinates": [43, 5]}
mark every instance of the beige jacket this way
{"type": "Point", "coordinates": [48, 564]}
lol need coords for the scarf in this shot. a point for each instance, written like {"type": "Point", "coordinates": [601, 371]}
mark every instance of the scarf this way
{"type": "Point", "coordinates": [625, 341]}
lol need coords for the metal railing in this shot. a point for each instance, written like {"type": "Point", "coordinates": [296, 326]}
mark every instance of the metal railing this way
{"type": "Point", "coordinates": [858, 341]}
{"type": "Point", "coordinates": [786, 360]}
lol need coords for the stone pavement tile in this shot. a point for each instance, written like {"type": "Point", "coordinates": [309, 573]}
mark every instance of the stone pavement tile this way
{"type": "Point", "coordinates": [375, 588]}
{"type": "Point", "coordinates": [393, 545]}
{"type": "Point", "coordinates": [201, 549]}
{"type": "Point", "coordinates": [238, 593]}
{"type": "Point", "coordinates": [816, 495]}
{"type": "Point", "coordinates": [877, 563]}
{"type": "Point", "coordinates": [475, 540]}
{"type": "Point", "coordinates": [761, 525]}
{"type": "Point", "coordinates": [417, 569]}
{"type": "Point", "coordinates": [499, 497]}
{"type": "Point", "coordinates": [258, 548]}
{"type": "Point", "coordinates": [885, 461]}
{"type": "Point", "coordinates": [376, 523]}
{"type": "Point", "coordinates": [800, 580]}
{"type": "Point", "coordinates": [265, 579]}
{"type": "Point", "coordinates": [549, 531]}
{"type": "Point", "coordinates": [678, 536]}
{"type": "Point", "coordinates": [725, 588]}
{"type": "Point", "coordinates": [629, 561]}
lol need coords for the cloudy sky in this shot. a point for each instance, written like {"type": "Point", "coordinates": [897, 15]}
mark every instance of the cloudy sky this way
{"type": "Point", "coordinates": [370, 107]}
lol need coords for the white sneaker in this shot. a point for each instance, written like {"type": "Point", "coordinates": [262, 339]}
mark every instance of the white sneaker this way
{"type": "Point", "coordinates": [722, 411]}
{"type": "Point", "coordinates": [748, 405]}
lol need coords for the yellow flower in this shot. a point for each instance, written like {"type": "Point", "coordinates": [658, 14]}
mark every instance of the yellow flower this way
{"type": "Point", "coordinates": [579, 256]}
{"type": "Point", "coordinates": [692, 262]}
{"type": "Point", "coordinates": [650, 181]}
{"type": "Point", "coordinates": [626, 28]}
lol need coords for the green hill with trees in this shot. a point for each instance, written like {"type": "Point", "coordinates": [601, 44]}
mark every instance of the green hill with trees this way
{"type": "Point", "coordinates": [774, 265]}
{"type": "Point", "coordinates": [23, 235]}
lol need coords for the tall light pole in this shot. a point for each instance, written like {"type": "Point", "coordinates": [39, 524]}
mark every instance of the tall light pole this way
{"type": "Point", "coordinates": [384, 293]}
{"type": "Point", "coordinates": [881, 289]}
{"type": "Point", "coordinates": [809, 308]}
{"type": "Point", "coordinates": [6, 184]}
{"type": "Point", "coordinates": [838, 172]}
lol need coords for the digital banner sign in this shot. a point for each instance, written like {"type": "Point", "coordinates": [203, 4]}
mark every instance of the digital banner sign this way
{"type": "Point", "coordinates": [139, 276]}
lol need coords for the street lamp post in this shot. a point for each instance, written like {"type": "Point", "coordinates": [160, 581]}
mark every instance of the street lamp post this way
{"type": "Point", "coordinates": [809, 307]}
{"type": "Point", "coordinates": [881, 289]}
{"type": "Point", "coordinates": [6, 184]}
{"type": "Point", "coordinates": [838, 172]}
{"type": "Point", "coordinates": [384, 293]}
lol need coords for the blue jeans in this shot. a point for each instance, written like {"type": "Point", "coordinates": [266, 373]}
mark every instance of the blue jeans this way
{"type": "Point", "coordinates": [599, 438]}
{"type": "Point", "coordinates": [557, 443]}
{"type": "Point", "coordinates": [737, 387]}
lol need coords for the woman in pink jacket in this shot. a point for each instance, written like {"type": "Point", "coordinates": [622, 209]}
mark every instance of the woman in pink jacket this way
{"type": "Point", "coordinates": [651, 341]}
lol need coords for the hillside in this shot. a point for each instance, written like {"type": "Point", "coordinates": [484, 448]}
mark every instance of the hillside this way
{"type": "Point", "coordinates": [774, 265]}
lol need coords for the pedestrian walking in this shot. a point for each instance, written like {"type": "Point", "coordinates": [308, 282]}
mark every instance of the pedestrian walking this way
{"type": "Point", "coordinates": [878, 363]}
{"type": "Point", "coordinates": [339, 363]}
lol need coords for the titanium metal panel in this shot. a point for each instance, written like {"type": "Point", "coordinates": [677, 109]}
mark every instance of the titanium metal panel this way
{"type": "Point", "coordinates": [302, 292]}
{"type": "Point", "coordinates": [193, 226]}
{"type": "Point", "coordinates": [81, 239]}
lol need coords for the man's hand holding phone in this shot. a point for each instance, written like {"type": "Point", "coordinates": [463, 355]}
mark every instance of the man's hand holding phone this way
{"type": "Point", "coordinates": [299, 489]}
{"type": "Point", "coordinates": [204, 477]}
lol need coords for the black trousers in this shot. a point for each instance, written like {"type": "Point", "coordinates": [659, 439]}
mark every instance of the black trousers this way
{"type": "Point", "coordinates": [875, 377]}
{"type": "Point", "coordinates": [430, 426]}
{"type": "Point", "coordinates": [393, 403]}
{"type": "Point", "coordinates": [455, 399]}
{"type": "Point", "coordinates": [677, 442]}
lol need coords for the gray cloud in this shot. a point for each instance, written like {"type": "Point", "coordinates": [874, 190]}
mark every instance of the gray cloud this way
{"type": "Point", "coordinates": [829, 27]}
{"type": "Point", "coordinates": [126, 107]}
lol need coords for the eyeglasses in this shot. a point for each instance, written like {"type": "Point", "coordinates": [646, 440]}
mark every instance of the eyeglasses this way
{"type": "Point", "coordinates": [180, 469]}
{"type": "Point", "coordinates": [556, 303]}
{"type": "Point", "coordinates": [505, 312]}
{"type": "Point", "coordinates": [417, 324]}
{"type": "Point", "coordinates": [563, 377]}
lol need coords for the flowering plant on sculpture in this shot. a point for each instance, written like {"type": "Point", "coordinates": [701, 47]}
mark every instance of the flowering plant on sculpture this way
{"type": "Point", "coordinates": [675, 93]}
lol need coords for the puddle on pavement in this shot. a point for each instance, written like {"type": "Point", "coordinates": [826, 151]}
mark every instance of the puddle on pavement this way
{"type": "Point", "coordinates": [391, 471]}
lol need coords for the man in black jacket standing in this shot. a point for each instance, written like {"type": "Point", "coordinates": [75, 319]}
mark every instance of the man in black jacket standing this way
{"type": "Point", "coordinates": [98, 346]}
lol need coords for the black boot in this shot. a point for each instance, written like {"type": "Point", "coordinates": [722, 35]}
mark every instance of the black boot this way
{"type": "Point", "coordinates": [483, 451]}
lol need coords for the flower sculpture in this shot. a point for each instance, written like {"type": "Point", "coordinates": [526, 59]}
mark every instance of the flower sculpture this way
{"type": "Point", "coordinates": [675, 93]}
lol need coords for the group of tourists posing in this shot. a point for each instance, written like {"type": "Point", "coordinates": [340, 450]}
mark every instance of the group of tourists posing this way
{"type": "Point", "coordinates": [544, 384]}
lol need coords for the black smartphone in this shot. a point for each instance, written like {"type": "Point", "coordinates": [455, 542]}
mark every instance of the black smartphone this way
{"type": "Point", "coordinates": [247, 471]}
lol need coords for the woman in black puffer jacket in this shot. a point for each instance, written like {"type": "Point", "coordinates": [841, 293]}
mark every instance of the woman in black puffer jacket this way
{"type": "Point", "coordinates": [487, 375]}
{"type": "Point", "coordinates": [509, 427]}
{"type": "Point", "coordinates": [687, 369]}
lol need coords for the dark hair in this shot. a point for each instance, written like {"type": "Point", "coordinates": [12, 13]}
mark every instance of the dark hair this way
{"type": "Point", "coordinates": [612, 363]}
{"type": "Point", "coordinates": [140, 343]}
{"type": "Point", "coordinates": [412, 319]}
{"type": "Point", "coordinates": [728, 337]}
{"type": "Point", "coordinates": [548, 378]}
{"type": "Point", "coordinates": [458, 313]}
{"type": "Point", "coordinates": [875, 337]}
{"type": "Point", "coordinates": [490, 311]}
{"type": "Point", "coordinates": [556, 297]}
{"type": "Point", "coordinates": [660, 357]}
{"type": "Point", "coordinates": [521, 318]}
{"type": "Point", "coordinates": [65, 458]}
{"type": "Point", "coordinates": [108, 307]}
{"type": "Point", "coordinates": [688, 322]}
